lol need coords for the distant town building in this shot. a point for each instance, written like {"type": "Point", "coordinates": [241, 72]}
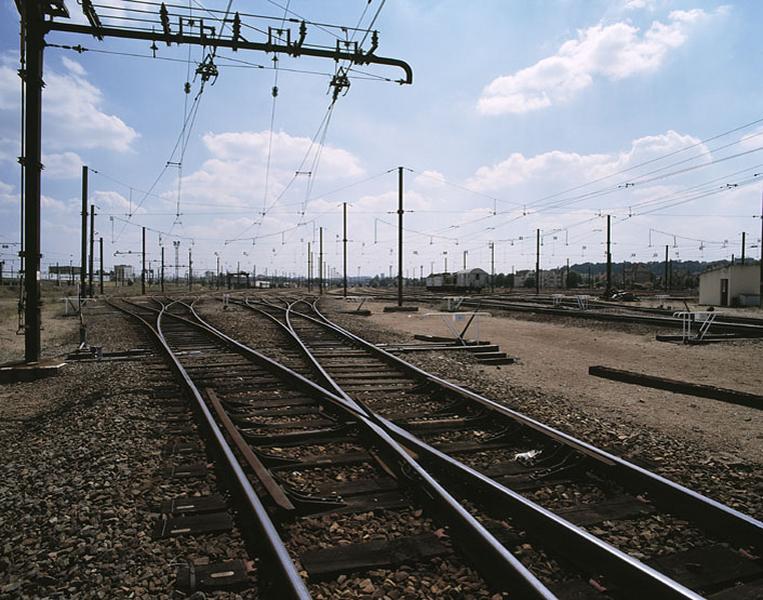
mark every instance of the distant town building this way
{"type": "Point", "coordinates": [552, 278]}
{"type": "Point", "coordinates": [64, 270]}
{"type": "Point", "coordinates": [730, 285]}
{"type": "Point", "coordinates": [123, 273]}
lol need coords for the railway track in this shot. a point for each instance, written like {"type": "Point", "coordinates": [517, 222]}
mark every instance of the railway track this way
{"type": "Point", "coordinates": [557, 490]}
{"type": "Point", "coordinates": [323, 491]}
{"type": "Point", "coordinates": [599, 311]}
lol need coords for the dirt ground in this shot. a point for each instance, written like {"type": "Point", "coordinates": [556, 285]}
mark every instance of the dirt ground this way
{"type": "Point", "coordinates": [554, 358]}
{"type": "Point", "coordinates": [59, 334]}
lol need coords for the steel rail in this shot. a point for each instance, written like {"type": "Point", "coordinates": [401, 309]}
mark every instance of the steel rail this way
{"type": "Point", "coordinates": [607, 304]}
{"type": "Point", "coordinates": [282, 573]}
{"type": "Point", "coordinates": [663, 321]}
{"type": "Point", "coordinates": [735, 325]}
{"type": "Point", "coordinates": [495, 562]}
{"type": "Point", "coordinates": [321, 372]}
{"type": "Point", "coordinates": [577, 545]}
{"type": "Point", "coordinates": [723, 520]}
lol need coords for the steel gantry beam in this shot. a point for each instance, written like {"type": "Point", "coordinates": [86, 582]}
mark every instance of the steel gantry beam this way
{"type": "Point", "coordinates": [38, 19]}
{"type": "Point", "coordinates": [292, 49]}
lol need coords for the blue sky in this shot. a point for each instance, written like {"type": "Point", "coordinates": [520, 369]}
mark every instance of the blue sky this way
{"type": "Point", "coordinates": [522, 115]}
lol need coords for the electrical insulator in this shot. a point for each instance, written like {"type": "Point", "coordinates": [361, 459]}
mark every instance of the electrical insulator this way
{"type": "Point", "coordinates": [236, 26]}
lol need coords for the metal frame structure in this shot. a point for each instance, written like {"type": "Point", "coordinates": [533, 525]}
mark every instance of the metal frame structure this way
{"type": "Point", "coordinates": [38, 19]}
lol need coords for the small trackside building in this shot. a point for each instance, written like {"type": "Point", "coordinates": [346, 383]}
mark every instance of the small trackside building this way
{"type": "Point", "coordinates": [730, 285]}
{"type": "Point", "coordinates": [472, 279]}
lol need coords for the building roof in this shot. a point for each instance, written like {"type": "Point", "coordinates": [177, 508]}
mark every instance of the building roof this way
{"type": "Point", "coordinates": [468, 271]}
{"type": "Point", "coordinates": [735, 267]}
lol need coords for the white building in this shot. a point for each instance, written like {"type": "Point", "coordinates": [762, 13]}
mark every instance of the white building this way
{"type": "Point", "coordinates": [123, 273]}
{"type": "Point", "coordinates": [732, 285]}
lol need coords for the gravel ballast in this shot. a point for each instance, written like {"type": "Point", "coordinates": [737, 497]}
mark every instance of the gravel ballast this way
{"type": "Point", "coordinates": [717, 468]}
{"type": "Point", "coordinates": [82, 477]}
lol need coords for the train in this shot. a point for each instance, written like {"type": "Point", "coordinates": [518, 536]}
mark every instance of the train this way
{"type": "Point", "coordinates": [466, 280]}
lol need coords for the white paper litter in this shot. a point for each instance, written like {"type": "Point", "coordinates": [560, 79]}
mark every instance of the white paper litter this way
{"type": "Point", "coordinates": [526, 456]}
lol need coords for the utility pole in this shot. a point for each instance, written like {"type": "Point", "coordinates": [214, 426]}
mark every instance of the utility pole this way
{"type": "Point", "coordinates": [466, 252]}
{"type": "Point", "coordinates": [537, 261]}
{"type": "Point", "coordinates": [100, 275]}
{"type": "Point", "coordinates": [567, 276]}
{"type": "Point", "coordinates": [320, 263]}
{"type": "Point", "coordinates": [670, 274]}
{"type": "Point", "coordinates": [625, 263]}
{"type": "Point", "coordinates": [176, 244]}
{"type": "Point", "coordinates": [400, 236]}
{"type": "Point", "coordinates": [492, 267]}
{"type": "Point", "coordinates": [744, 243]}
{"type": "Point", "coordinates": [309, 268]}
{"type": "Point", "coordinates": [83, 261]}
{"type": "Point", "coordinates": [58, 275]}
{"type": "Point", "coordinates": [161, 275]}
{"type": "Point", "coordinates": [39, 18]}
{"type": "Point", "coordinates": [90, 264]}
{"type": "Point", "coordinates": [143, 263]}
{"type": "Point", "coordinates": [190, 268]}
{"type": "Point", "coordinates": [666, 266]}
{"type": "Point", "coordinates": [344, 241]}
{"type": "Point", "coordinates": [761, 252]}
{"type": "Point", "coordinates": [609, 254]}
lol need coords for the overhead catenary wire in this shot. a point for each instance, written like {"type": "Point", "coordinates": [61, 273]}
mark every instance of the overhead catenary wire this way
{"type": "Point", "coordinates": [149, 192]}
{"type": "Point", "coordinates": [274, 94]}
{"type": "Point", "coordinates": [297, 173]}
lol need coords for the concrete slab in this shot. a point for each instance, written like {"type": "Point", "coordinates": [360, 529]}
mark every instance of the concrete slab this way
{"type": "Point", "coordinates": [22, 371]}
{"type": "Point", "coordinates": [401, 309]}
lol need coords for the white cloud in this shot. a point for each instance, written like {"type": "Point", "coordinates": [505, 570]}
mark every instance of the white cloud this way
{"type": "Point", "coordinates": [613, 52]}
{"type": "Point", "coordinates": [7, 195]}
{"type": "Point", "coordinates": [287, 151]}
{"type": "Point", "coordinates": [751, 141]}
{"type": "Point", "coordinates": [9, 149]}
{"type": "Point", "coordinates": [73, 115]}
{"type": "Point", "coordinates": [573, 168]}
{"type": "Point", "coordinates": [73, 67]}
{"type": "Point", "coordinates": [429, 179]}
{"type": "Point", "coordinates": [115, 201]}
{"type": "Point", "coordinates": [640, 4]}
{"type": "Point", "coordinates": [382, 203]}
{"type": "Point", "coordinates": [49, 202]}
{"type": "Point", "coordinates": [235, 174]}
{"type": "Point", "coordinates": [67, 165]}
